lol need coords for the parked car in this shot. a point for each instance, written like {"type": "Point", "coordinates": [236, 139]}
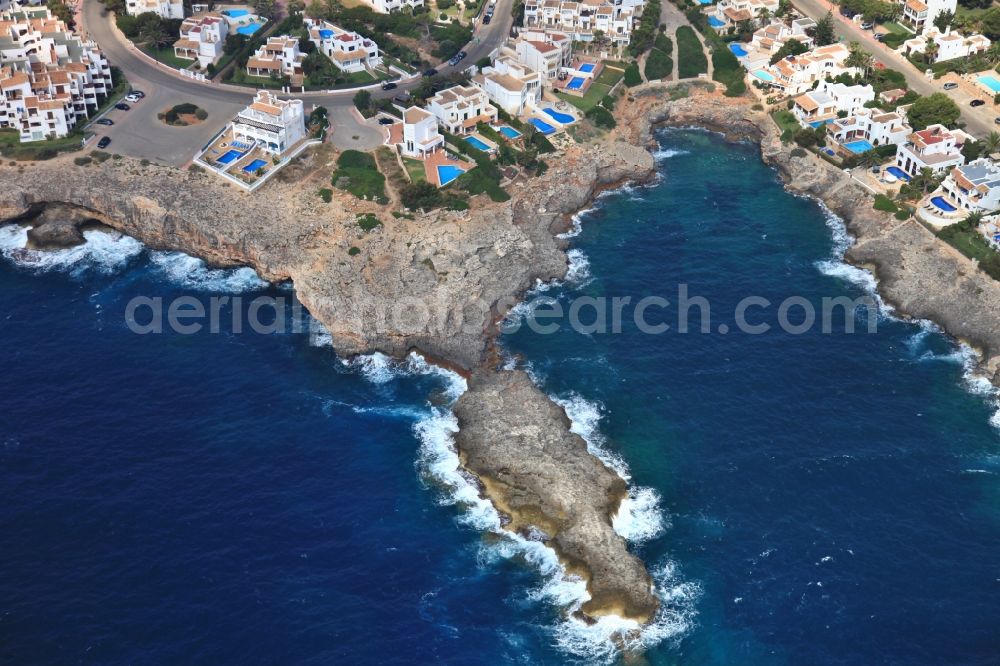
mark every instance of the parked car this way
{"type": "Point", "coordinates": [487, 19]}
{"type": "Point", "coordinates": [122, 106]}
{"type": "Point", "coordinates": [951, 85]}
{"type": "Point", "coordinates": [386, 121]}
{"type": "Point", "coordinates": [402, 98]}
{"type": "Point", "coordinates": [997, 120]}
{"type": "Point", "coordinates": [104, 121]}
{"type": "Point", "coordinates": [977, 102]}
{"type": "Point", "coordinates": [132, 98]}
{"type": "Point", "coordinates": [867, 26]}
{"type": "Point", "coordinates": [104, 142]}
{"type": "Point", "coordinates": [879, 37]}
{"type": "Point", "coordinates": [454, 61]}
{"type": "Point", "coordinates": [137, 93]}
{"type": "Point", "coordinates": [461, 55]}
{"type": "Point", "coordinates": [431, 72]}
{"type": "Point", "coordinates": [388, 85]}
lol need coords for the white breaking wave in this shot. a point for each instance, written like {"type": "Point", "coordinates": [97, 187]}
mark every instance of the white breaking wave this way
{"type": "Point", "coordinates": [578, 271]}
{"type": "Point", "coordinates": [585, 417]}
{"type": "Point", "coordinates": [640, 518]}
{"type": "Point", "coordinates": [193, 273]}
{"type": "Point", "coordinates": [105, 252]}
{"type": "Point", "coordinates": [667, 153]}
{"type": "Point", "coordinates": [318, 335]}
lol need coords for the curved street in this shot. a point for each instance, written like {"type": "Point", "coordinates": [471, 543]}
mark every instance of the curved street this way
{"type": "Point", "coordinates": [139, 133]}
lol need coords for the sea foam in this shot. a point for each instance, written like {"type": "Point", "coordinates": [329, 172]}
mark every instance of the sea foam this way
{"type": "Point", "coordinates": [104, 252]}
{"type": "Point", "coordinates": [193, 273]}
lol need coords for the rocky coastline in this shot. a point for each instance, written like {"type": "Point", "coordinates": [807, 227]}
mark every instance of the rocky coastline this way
{"type": "Point", "coordinates": [438, 284]}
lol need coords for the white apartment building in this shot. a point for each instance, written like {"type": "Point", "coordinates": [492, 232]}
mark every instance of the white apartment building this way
{"type": "Point", "coordinates": [877, 127]}
{"type": "Point", "coordinates": [770, 39]}
{"type": "Point", "coordinates": [387, 6]}
{"type": "Point", "coordinates": [580, 20]}
{"type": "Point", "coordinates": [950, 45]}
{"type": "Point", "coordinates": [168, 9]}
{"type": "Point", "coordinates": [275, 125]}
{"type": "Point", "coordinates": [920, 14]}
{"type": "Point", "coordinates": [545, 52]}
{"type": "Point", "coordinates": [974, 186]}
{"type": "Point", "coordinates": [935, 147]}
{"type": "Point", "coordinates": [829, 100]}
{"type": "Point", "coordinates": [348, 50]}
{"type": "Point", "coordinates": [50, 79]}
{"type": "Point", "coordinates": [511, 85]}
{"type": "Point", "coordinates": [796, 74]}
{"type": "Point", "coordinates": [458, 109]}
{"type": "Point", "coordinates": [202, 38]}
{"type": "Point", "coordinates": [279, 56]}
{"type": "Point", "coordinates": [727, 13]}
{"type": "Point", "coordinates": [420, 133]}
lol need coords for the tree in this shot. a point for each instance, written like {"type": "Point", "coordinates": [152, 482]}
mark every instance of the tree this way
{"type": "Point", "coordinates": [860, 59]}
{"type": "Point", "coordinates": [936, 109]}
{"type": "Point", "coordinates": [296, 7]}
{"type": "Point", "coordinates": [925, 180]}
{"type": "Point", "coordinates": [823, 32]}
{"type": "Point", "coordinates": [789, 48]}
{"type": "Point", "coordinates": [930, 52]}
{"type": "Point", "coordinates": [972, 220]}
{"type": "Point", "coordinates": [784, 8]}
{"type": "Point", "coordinates": [362, 100]}
{"type": "Point", "coordinates": [992, 142]}
{"type": "Point", "coordinates": [990, 23]}
{"type": "Point", "coordinates": [264, 8]}
{"type": "Point", "coordinates": [992, 54]}
{"type": "Point", "coordinates": [944, 20]}
{"type": "Point", "coordinates": [764, 17]}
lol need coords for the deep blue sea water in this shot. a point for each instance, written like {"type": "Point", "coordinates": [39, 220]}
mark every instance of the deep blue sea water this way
{"type": "Point", "coordinates": [246, 498]}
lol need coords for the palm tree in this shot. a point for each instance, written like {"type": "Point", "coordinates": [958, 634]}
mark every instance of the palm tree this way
{"type": "Point", "coordinates": [764, 17]}
{"type": "Point", "coordinates": [992, 142]}
{"type": "Point", "coordinates": [992, 54]}
{"type": "Point", "coordinates": [972, 221]}
{"type": "Point", "coordinates": [860, 59]}
{"type": "Point", "coordinates": [925, 180]}
{"type": "Point", "coordinates": [930, 51]}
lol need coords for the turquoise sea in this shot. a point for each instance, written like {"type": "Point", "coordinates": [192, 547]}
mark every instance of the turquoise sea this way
{"type": "Point", "coordinates": [814, 498]}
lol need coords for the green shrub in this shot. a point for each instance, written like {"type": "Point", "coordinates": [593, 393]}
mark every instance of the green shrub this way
{"type": "Point", "coordinates": [201, 114]}
{"type": "Point", "coordinates": [368, 221]}
{"type": "Point", "coordinates": [659, 65]}
{"type": "Point", "coordinates": [885, 204]}
{"type": "Point", "coordinates": [185, 108]}
{"type": "Point", "coordinates": [691, 60]}
{"type": "Point", "coordinates": [326, 194]}
{"type": "Point", "coordinates": [82, 161]}
{"type": "Point", "coordinates": [632, 76]}
{"type": "Point", "coordinates": [601, 117]}
{"type": "Point", "coordinates": [354, 251]}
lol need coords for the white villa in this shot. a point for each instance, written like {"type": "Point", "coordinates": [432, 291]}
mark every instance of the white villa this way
{"type": "Point", "coordinates": [727, 13]}
{"type": "Point", "coordinates": [770, 39]}
{"type": "Point", "coordinates": [935, 147]}
{"type": "Point", "coordinates": [202, 38]}
{"type": "Point", "coordinates": [458, 109]}
{"type": "Point", "coordinates": [580, 20]}
{"type": "Point", "coordinates": [511, 85]}
{"type": "Point", "coordinates": [797, 74]}
{"type": "Point", "coordinates": [50, 79]}
{"type": "Point", "coordinates": [949, 44]}
{"type": "Point", "coordinates": [279, 56]}
{"type": "Point", "coordinates": [878, 128]}
{"type": "Point", "coordinates": [920, 14]}
{"type": "Point", "coordinates": [974, 186]}
{"type": "Point", "coordinates": [420, 133]}
{"type": "Point", "coordinates": [272, 124]}
{"type": "Point", "coordinates": [544, 51]}
{"type": "Point", "coordinates": [168, 9]}
{"type": "Point", "coordinates": [829, 100]}
{"type": "Point", "coordinates": [347, 50]}
{"type": "Point", "coordinates": [387, 6]}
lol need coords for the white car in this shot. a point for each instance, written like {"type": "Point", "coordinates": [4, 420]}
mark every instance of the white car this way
{"type": "Point", "coordinates": [132, 98]}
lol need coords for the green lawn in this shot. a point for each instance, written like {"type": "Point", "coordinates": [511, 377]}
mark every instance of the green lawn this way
{"type": "Point", "coordinates": [11, 146]}
{"type": "Point", "coordinates": [597, 91]}
{"type": "Point", "coordinates": [786, 122]}
{"type": "Point", "coordinates": [691, 60]}
{"type": "Point", "coordinates": [897, 29]}
{"type": "Point", "coordinates": [358, 174]}
{"type": "Point", "coordinates": [969, 242]}
{"type": "Point", "coordinates": [166, 56]}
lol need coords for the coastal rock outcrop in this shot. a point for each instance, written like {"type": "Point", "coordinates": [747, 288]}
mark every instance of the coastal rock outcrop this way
{"type": "Point", "coordinates": [540, 475]}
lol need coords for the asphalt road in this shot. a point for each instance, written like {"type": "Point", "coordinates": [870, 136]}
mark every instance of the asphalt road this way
{"type": "Point", "coordinates": [978, 122]}
{"type": "Point", "coordinates": [139, 133]}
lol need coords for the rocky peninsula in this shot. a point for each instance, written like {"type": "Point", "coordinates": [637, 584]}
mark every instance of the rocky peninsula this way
{"type": "Point", "coordinates": [439, 282]}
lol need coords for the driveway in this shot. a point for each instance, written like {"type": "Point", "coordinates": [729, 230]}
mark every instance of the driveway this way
{"type": "Point", "coordinates": [979, 121]}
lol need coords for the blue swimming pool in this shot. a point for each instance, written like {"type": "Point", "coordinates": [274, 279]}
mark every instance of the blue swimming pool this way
{"type": "Point", "coordinates": [477, 144]}
{"type": "Point", "coordinates": [542, 126]}
{"type": "Point", "coordinates": [509, 132]}
{"type": "Point", "coordinates": [249, 28]}
{"type": "Point", "coordinates": [705, 2]}
{"type": "Point", "coordinates": [943, 204]}
{"type": "Point", "coordinates": [737, 50]}
{"type": "Point", "coordinates": [898, 173]}
{"type": "Point", "coordinates": [326, 34]}
{"type": "Point", "coordinates": [230, 157]}
{"type": "Point", "coordinates": [254, 166]}
{"type": "Point", "coordinates": [715, 23]}
{"type": "Point", "coordinates": [859, 146]}
{"type": "Point", "coordinates": [561, 118]}
{"type": "Point", "coordinates": [448, 173]}
{"type": "Point", "coordinates": [575, 83]}
{"type": "Point", "coordinates": [990, 82]}
{"type": "Point", "coordinates": [588, 67]}
{"type": "Point", "coordinates": [763, 76]}
{"type": "Point", "coordinates": [235, 13]}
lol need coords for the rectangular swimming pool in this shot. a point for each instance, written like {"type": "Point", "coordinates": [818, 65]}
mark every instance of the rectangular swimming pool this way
{"type": "Point", "coordinates": [254, 166]}
{"type": "Point", "coordinates": [587, 67]}
{"type": "Point", "coordinates": [990, 82]}
{"type": "Point", "coordinates": [235, 13]}
{"type": "Point", "coordinates": [898, 173]}
{"type": "Point", "coordinates": [477, 144]}
{"type": "Point", "coordinates": [448, 173]}
{"type": "Point", "coordinates": [575, 83]}
{"type": "Point", "coordinates": [509, 132]}
{"type": "Point", "coordinates": [230, 157]}
{"type": "Point", "coordinates": [542, 126]}
{"type": "Point", "coordinates": [859, 146]}
{"type": "Point", "coordinates": [249, 28]}
{"type": "Point", "coordinates": [737, 50]}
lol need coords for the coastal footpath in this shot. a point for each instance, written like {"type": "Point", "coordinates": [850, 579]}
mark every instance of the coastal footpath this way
{"type": "Point", "coordinates": [440, 282]}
